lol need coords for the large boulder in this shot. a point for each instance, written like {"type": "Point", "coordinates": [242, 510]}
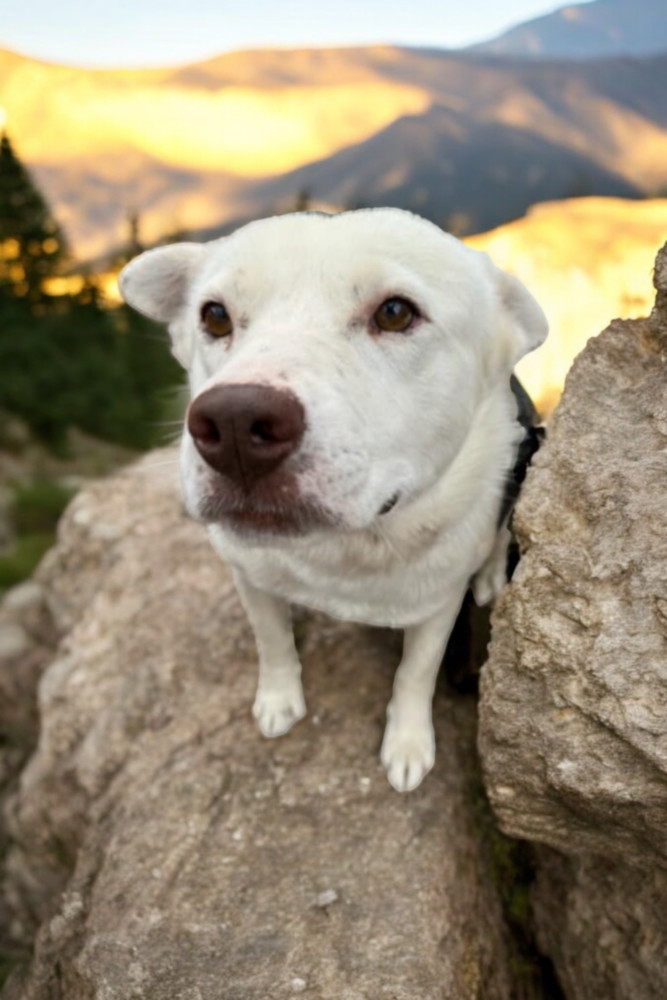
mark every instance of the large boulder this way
{"type": "Point", "coordinates": [166, 851]}
{"type": "Point", "coordinates": [573, 712]}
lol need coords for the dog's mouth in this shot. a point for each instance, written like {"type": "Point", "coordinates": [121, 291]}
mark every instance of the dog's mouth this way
{"type": "Point", "coordinates": [297, 518]}
{"type": "Point", "coordinates": [274, 505]}
{"type": "Point", "coordinates": [289, 521]}
{"type": "Point", "coordinates": [269, 509]}
{"type": "Point", "coordinates": [389, 505]}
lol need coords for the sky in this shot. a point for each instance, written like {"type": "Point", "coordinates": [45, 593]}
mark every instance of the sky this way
{"type": "Point", "coordinates": [166, 32]}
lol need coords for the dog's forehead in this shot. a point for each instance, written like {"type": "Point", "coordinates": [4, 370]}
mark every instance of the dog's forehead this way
{"type": "Point", "coordinates": [350, 250]}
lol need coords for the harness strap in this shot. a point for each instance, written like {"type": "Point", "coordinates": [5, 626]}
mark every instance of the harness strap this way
{"type": "Point", "coordinates": [529, 444]}
{"type": "Point", "coordinates": [531, 441]}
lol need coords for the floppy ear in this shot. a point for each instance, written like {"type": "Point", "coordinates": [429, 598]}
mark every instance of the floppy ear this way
{"type": "Point", "coordinates": [520, 324]}
{"type": "Point", "coordinates": [156, 284]}
{"type": "Point", "coordinates": [523, 314]}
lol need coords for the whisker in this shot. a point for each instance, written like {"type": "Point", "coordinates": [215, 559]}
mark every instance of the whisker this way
{"type": "Point", "coordinates": [170, 438]}
{"type": "Point", "coordinates": [159, 465]}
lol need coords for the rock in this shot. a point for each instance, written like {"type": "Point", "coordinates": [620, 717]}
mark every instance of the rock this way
{"type": "Point", "coordinates": [25, 595]}
{"type": "Point", "coordinates": [573, 712]}
{"type": "Point", "coordinates": [13, 640]}
{"type": "Point", "coordinates": [26, 646]}
{"type": "Point", "coordinates": [27, 638]}
{"type": "Point", "coordinates": [603, 924]}
{"type": "Point", "coordinates": [14, 432]}
{"type": "Point", "coordinates": [169, 852]}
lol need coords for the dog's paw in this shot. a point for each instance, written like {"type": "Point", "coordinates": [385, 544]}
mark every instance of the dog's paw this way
{"type": "Point", "coordinates": [408, 754]}
{"type": "Point", "coordinates": [276, 710]}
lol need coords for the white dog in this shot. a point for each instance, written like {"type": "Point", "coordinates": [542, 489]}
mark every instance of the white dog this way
{"type": "Point", "coordinates": [350, 433]}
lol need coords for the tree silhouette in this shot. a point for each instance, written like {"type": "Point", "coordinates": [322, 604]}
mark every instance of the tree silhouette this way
{"type": "Point", "coordinates": [302, 200]}
{"type": "Point", "coordinates": [32, 245]}
{"type": "Point", "coordinates": [68, 360]}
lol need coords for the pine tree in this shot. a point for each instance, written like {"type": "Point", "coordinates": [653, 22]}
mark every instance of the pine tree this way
{"type": "Point", "coordinates": [134, 245]}
{"type": "Point", "coordinates": [302, 201]}
{"type": "Point", "coordinates": [68, 360]}
{"type": "Point", "coordinates": [32, 245]}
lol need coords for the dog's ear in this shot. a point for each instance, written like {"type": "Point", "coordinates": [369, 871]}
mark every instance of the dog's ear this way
{"type": "Point", "coordinates": [156, 285]}
{"type": "Point", "coordinates": [525, 314]}
{"type": "Point", "coordinates": [521, 325]}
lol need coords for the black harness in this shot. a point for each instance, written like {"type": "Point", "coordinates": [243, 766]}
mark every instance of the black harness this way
{"type": "Point", "coordinates": [531, 441]}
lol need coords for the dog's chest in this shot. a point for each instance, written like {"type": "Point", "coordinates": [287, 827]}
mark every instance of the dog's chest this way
{"type": "Point", "coordinates": [357, 584]}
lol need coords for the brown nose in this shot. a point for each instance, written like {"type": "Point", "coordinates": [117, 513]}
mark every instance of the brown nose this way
{"type": "Point", "coordinates": [245, 431]}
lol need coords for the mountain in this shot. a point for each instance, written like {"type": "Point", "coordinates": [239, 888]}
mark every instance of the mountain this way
{"type": "Point", "coordinates": [465, 174]}
{"type": "Point", "coordinates": [495, 139]}
{"type": "Point", "coordinates": [186, 136]}
{"type": "Point", "coordinates": [466, 139]}
{"type": "Point", "coordinates": [589, 30]}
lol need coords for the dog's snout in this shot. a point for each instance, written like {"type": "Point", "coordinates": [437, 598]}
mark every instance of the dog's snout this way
{"type": "Point", "coordinates": [245, 431]}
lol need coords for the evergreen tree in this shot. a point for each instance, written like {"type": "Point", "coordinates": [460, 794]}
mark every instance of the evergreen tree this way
{"type": "Point", "coordinates": [302, 201]}
{"type": "Point", "coordinates": [132, 246]}
{"type": "Point", "coordinates": [32, 245]}
{"type": "Point", "coordinates": [70, 360]}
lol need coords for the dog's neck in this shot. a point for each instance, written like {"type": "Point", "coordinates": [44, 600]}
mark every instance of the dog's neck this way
{"type": "Point", "coordinates": [473, 483]}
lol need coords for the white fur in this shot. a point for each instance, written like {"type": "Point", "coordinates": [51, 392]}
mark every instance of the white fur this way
{"type": "Point", "coordinates": [427, 414]}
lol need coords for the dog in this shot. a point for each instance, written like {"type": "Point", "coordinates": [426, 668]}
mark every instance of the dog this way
{"type": "Point", "coordinates": [350, 432]}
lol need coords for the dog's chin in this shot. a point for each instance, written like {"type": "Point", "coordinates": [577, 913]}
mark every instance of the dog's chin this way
{"type": "Point", "coordinates": [276, 506]}
{"type": "Point", "coordinates": [253, 522]}
{"type": "Point", "coordinates": [262, 512]}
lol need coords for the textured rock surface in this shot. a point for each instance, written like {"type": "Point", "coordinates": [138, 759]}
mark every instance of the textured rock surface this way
{"type": "Point", "coordinates": [604, 926]}
{"type": "Point", "coordinates": [170, 853]}
{"type": "Point", "coordinates": [27, 640]}
{"type": "Point", "coordinates": [574, 697]}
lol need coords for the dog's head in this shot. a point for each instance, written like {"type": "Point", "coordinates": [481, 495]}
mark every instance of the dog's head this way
{"type": "Point", "coordinates": [335, 362]}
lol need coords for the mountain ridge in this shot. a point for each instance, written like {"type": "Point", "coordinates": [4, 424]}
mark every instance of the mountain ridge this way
{"type": "Point", "coordinates": [440, 175]}
{"type": "Point", "coordinates": [599, 29]}
{"type": "Point", "coordinates": [193, 147]}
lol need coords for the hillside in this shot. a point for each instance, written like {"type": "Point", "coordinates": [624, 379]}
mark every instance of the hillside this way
{"type": "Point", "coordinates": [587, 30]}
{"type": "Point", "coordinates": [243, 134]}
{"type": "Point", "coordinates": [587, 261]}
{"type": "Point", "coordinates": [465, 174]}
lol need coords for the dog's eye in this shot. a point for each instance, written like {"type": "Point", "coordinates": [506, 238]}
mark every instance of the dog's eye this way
{"type": "Point", "coordinates": [216, 319]}
{"type": "Point", "coordinates": [395, 315]}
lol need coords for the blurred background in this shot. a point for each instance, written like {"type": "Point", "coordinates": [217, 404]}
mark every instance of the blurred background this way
{"type": "Point", "coordinates": [534, 132]}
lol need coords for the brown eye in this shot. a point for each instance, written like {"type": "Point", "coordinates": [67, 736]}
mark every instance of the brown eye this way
{"type": "Point", "coordinates": [395, 315]}
{"type": "Point", "coordinates": [216, 319]}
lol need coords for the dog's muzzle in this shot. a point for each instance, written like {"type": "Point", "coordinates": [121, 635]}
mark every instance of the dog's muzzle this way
{"type": "Point", "coordinates": [244, 432]}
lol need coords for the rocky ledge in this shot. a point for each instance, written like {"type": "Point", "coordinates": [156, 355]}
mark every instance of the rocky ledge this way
{"type": "Point", "coordinates": [162, 849]}
{"type": "Point", "coordinates": [158, 848]}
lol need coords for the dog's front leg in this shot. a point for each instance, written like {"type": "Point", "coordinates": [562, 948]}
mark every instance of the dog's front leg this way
{"type": "Point", "coordinates": [408, 747]}
{"type": "Point", "coordinates": [279, 702]}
